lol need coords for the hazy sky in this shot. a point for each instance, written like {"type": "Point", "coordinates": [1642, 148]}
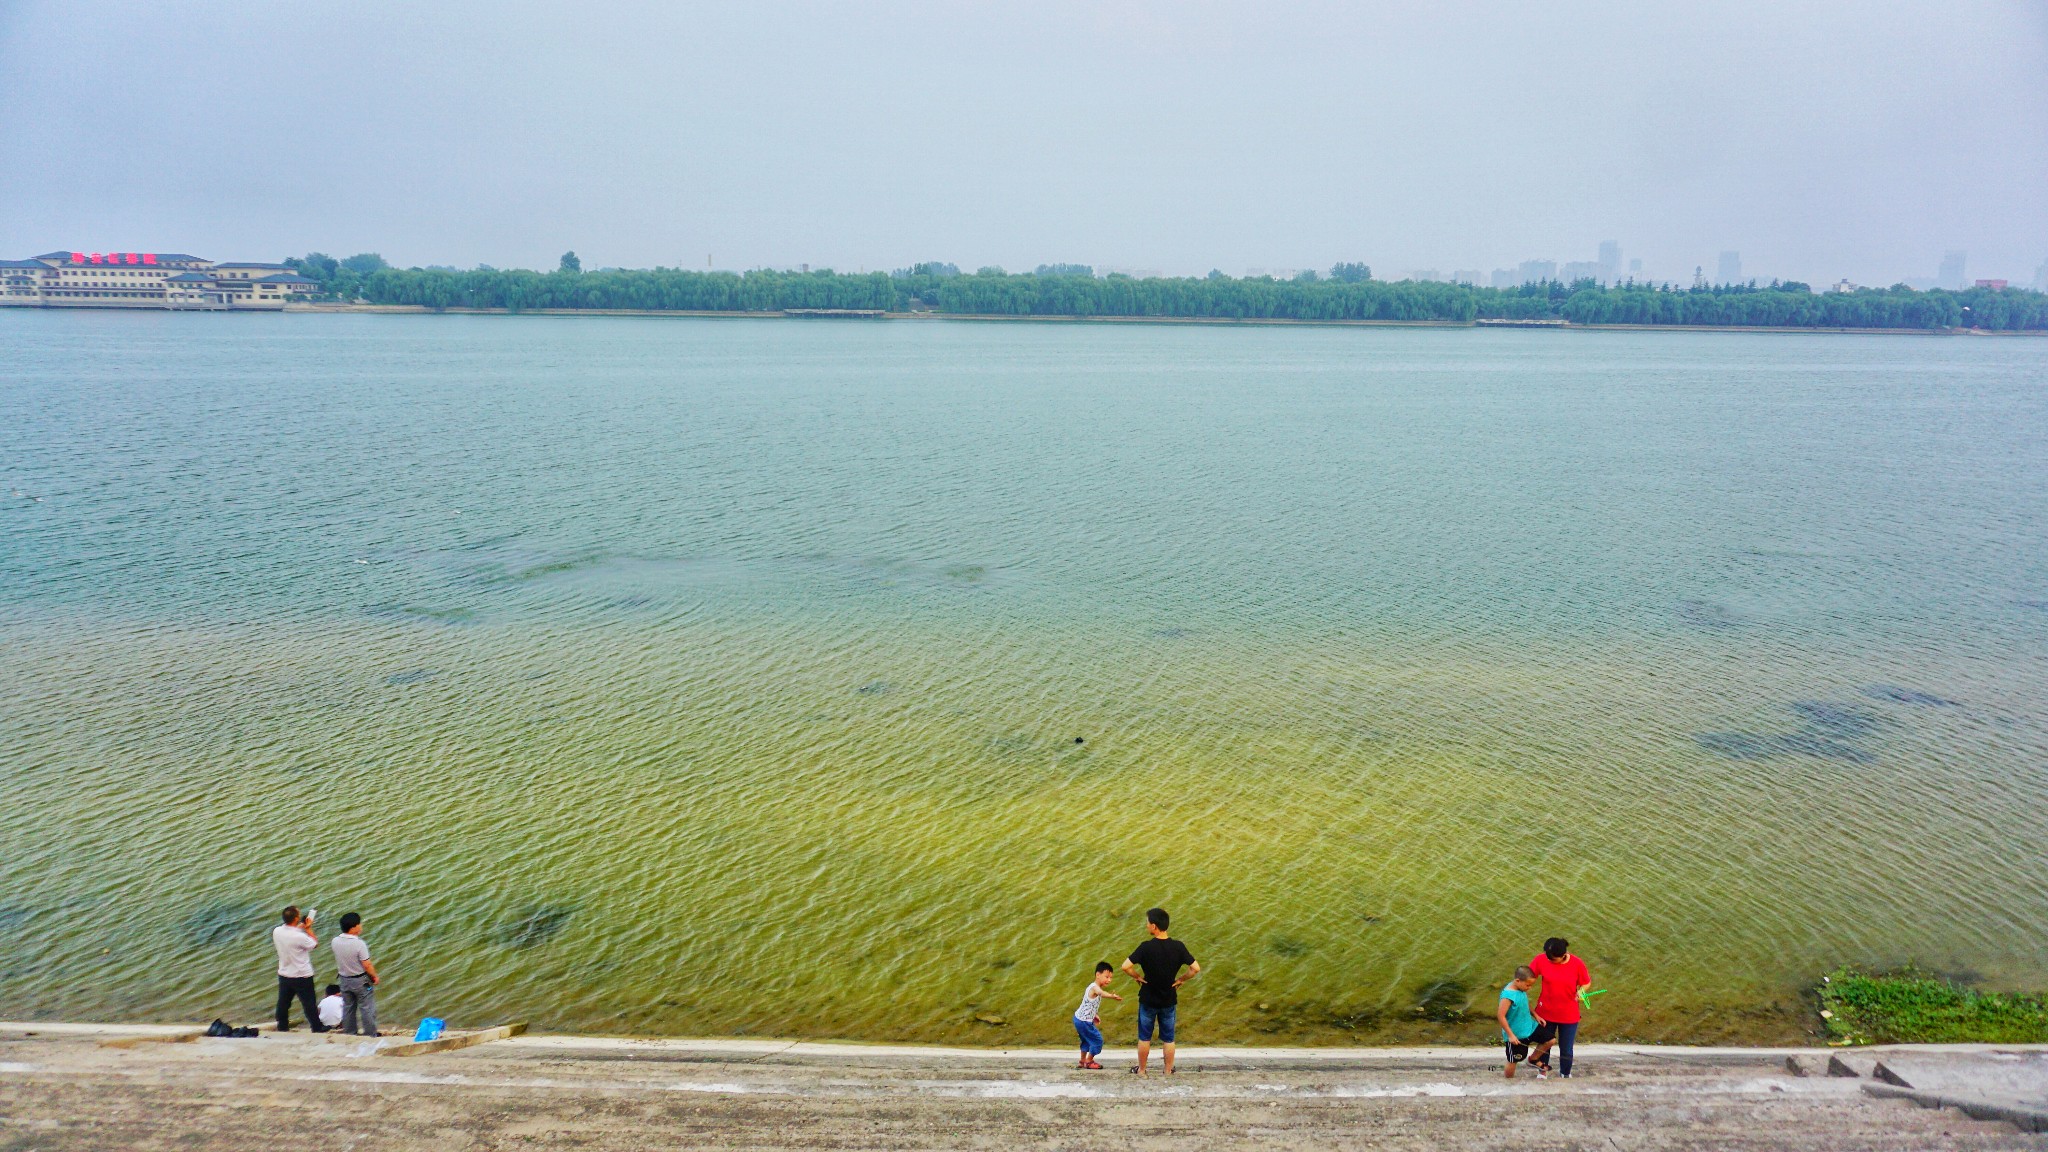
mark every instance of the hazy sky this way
{"type": "Point", "coordinates": [1819, 138]}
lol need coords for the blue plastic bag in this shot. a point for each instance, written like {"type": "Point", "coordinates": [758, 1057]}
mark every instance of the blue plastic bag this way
{"type": "Point", "coordinates": [430, 1029]}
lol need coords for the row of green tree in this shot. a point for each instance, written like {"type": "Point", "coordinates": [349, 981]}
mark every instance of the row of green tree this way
{"type": "Point", "coordinates": [1071, 290]}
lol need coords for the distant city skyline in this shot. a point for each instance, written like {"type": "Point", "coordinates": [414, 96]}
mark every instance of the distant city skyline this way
{"type": "Point", "coordinates": [1607, 269]}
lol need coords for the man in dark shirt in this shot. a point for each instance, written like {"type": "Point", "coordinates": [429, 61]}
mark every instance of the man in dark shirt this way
{"type": "Point", "coordinates": [1155, 965]}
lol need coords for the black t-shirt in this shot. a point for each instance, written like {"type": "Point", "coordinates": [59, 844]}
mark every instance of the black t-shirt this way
{"type": "Point", "coordinates": [1160, 960]}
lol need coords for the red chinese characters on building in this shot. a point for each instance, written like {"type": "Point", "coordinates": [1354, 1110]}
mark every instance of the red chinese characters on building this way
{"type": "Point", "coordinates": [113, 258]}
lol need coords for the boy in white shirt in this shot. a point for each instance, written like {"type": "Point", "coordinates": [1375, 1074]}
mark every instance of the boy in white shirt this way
{"type": "Point", "coordinates": [330, 1007]}
{"type": "Point", "coordinates": [1087, 1015]}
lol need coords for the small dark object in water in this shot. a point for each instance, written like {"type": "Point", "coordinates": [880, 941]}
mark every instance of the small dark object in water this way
{"type": "Point", "coordinates": [1834, 719]}
{"type": "Point", "coordinates": [417, 676]}
{"type": "Point", "coordinates": [1893, 694]}
{"type": "Point", "coordinates": [874, 689]}
{"type": "Point", "coordinates": [1078, 740]}
{"type": "Point", "coordinates": [536, 926]}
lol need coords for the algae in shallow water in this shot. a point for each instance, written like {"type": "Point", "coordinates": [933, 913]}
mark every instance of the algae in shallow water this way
{"type": "Point", "coordinates": [536, 926]}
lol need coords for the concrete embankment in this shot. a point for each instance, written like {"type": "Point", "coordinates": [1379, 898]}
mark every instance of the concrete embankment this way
{"type": "Point", "coordinates": [64, 1087]}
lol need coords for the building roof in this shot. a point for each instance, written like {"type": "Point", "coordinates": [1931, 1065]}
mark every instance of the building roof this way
{"type": "Point", "coordinates": [38, 265]}
{"type": "Point", "coordinates": [245, 264]}
{"type": "Point", "coordinates": [161, 258]}
{"type": "Point", "coordinates": [189, 278]}
{"type": "Point", "coordinates": [285, 278]}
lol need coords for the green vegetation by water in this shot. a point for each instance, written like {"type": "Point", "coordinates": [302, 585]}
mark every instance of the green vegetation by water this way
{"type": "Point", "coordinates": [1909, 1006]}
{"type": "Point", "coordinates": [1071, 290]}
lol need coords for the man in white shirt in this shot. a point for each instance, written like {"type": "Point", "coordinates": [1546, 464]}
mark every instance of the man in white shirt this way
{"type": "Point", "coordinates": [295, 943]}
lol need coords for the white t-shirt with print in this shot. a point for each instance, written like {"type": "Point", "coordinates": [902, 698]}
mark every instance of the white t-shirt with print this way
{"type": "Point", "coordinates": [1091, 1004]}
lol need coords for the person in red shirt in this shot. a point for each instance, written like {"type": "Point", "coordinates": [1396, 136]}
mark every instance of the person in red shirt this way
{"type": "Point", "coordinates": [1557, 1006]}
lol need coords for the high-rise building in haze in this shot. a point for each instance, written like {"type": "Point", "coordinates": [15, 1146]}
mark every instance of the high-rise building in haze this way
{"type": "Point", "coordinates": [1610, 261]}
{"type": "Point", "coordinates": [1536, 271]}
{"type": "Point", "coordinates": [1951, 274]}
{"type": "Point", "coordinates": [1731, 269]}
{"type": "Point", "coordinates": [1579, 270]}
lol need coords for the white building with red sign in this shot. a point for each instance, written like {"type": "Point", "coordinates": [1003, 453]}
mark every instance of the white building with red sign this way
{"type": "Point", "coordinates": [146, 280]}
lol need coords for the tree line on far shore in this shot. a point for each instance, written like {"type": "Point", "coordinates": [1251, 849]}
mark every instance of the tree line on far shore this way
{"type": "Point", "coordinates": [1348, 293]}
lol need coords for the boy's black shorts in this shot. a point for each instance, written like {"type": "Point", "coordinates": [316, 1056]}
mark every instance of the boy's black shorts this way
{"type": "Point", "coordinates": [1517, 1051]}
{"type": "Point", "coordinates": [1544, 1033]}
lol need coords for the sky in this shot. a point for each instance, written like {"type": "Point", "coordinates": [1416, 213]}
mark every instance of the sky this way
{"type": "Point", "coordinates": [1819, 139]}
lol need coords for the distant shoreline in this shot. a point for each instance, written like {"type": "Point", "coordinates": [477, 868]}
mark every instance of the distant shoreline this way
{"type": "Point", "coordinates": [1208, 321]}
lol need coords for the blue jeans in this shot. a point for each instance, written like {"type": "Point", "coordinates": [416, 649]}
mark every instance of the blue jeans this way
{"type": "Point", "coordinates": [1565, 1035]}
{"type": "Point", "coordinates": [1163, 1017]}
{"type": "Point", "coordinates": [1091, 1036]}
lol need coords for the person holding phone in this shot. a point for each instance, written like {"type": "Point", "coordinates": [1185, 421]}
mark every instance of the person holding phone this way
{"type": "Point", "coordinates": [295, 943]}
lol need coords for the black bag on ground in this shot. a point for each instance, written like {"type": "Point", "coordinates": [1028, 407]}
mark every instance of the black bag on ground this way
{"type": "Point", "coordinates": [223, 1028]}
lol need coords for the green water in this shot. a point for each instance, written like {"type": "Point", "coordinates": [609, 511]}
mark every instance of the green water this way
{"type": "Point", "coordinates": [708, 677]}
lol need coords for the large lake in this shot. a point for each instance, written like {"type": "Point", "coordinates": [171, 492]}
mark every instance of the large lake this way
{"type": "Point", "coordinates": [857, 679]}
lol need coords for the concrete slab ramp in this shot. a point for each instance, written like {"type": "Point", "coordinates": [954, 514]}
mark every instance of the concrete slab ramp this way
{"type": "Point", "coordinates": [2009, 1085]}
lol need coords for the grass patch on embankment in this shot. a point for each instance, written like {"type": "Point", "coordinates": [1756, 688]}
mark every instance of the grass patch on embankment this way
{"type": "Point", "coordinates": [1909, 1006]}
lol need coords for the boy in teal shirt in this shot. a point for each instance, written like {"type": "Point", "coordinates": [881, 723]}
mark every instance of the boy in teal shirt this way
{"type": "Point", "coordinates": [1517, 1023]}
